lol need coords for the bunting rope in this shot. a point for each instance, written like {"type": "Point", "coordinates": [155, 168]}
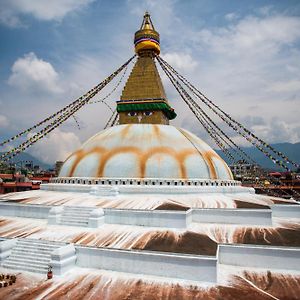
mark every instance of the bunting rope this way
{"type": "Point", "coordinates": [111, 119]}
{"type": "Point", "coordinates": [112, 91]}
{"type": "Point", "coordinates": [211, 123]}
{"type": "Point", "coordinates": [216, 109]}
{"type": "Point", "coordinates": [223, 136]}
{"type": "Point", "coordinates": [209, 130]}
{"type": "Point", "coordinates": [76, 121]}
{"type": "Point", "coordinates": [58, 121]}
{"type": "Point", "coordinates": [78, 100]}
{"type": "Point", "coordinates": [115, 120]}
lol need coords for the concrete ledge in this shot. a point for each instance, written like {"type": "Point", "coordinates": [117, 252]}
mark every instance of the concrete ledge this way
{"type": "Point", "coordinates": [146, 189]}
{"type": "Point", "coordinates": [24, 210]}
{"type": "Point", "coordinates": [232, 216]}
{"type": "Point", "coordinates": [150, 218]}
{"type": "Point", "coordinates": [286, 211]}
{"type": "Point", "coordinates": [5, 248]}
{"type": "Point", "coordinates": [187, 267]}
{"type": "Point", "coordinates": [257, 256]}
{"type": "Point", "coordinates": [63, 259]}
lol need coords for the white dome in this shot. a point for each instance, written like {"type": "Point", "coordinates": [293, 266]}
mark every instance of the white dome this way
{"type": "Point", "coordinates": [146, 151]}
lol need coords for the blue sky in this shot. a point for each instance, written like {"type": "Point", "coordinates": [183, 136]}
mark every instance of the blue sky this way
{"type": "Point", "coordinates": [245, 55]}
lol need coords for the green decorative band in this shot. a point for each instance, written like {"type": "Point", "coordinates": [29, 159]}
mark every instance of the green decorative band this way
{"type": "Point", "coordinates": [163, 106]}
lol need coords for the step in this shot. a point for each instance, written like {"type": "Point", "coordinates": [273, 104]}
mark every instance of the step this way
{"type": "Point", "coordinates": [21, 251]}
{"type": "Point", "coordinates": [29, 256]}
{"type": "Point", "coordinates": [82, 221]}
{"type": "Point", "coordinates": [80, 215]}
{"type": "Point", "coordinates": [75, 216]}
{"type": "Point", "coordinates": [78, 208]}
{"type": "Point", "coordinates": [74, 219]}
{"type": "Point", "coordinates": [73, 224]}
{"type": "Point", "coordinates": [37, 244]}
{"type": "Point", "coordinates": [36, 241]}
{"type": "Point", "coordinates": [24, 263]}
{"type": "Point", "coordinates": [26, 268]}
{"type": "Point", "coordinates": [29, 259]}
{"type": "Point", "coordinates": [76, 212]}
{"type": "Point", "coordinates": [28, 253]}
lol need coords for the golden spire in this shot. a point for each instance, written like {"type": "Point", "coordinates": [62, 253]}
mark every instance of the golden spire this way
{"type": "Point", "coordinates": [147, 38]}
{"type": "Point", "coordinates": [147, 23]}
{"type": "Point", "coordinates": [143, 99]}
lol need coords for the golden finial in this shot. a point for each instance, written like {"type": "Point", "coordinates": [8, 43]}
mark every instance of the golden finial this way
{"type": "Point", "coordinates": [147, 38]}
{"type": "Point", "coordinates": [147, 23]}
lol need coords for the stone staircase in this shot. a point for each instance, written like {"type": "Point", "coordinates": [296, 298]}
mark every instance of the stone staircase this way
{"type": "Point", "coordinates": [75, 216]}
{"type": "Point", "coordinates": [104, 190]}
{"type": "Point", "coordinates": [31, 255]}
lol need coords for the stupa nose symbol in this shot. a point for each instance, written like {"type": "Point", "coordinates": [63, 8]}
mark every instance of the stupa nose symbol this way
{"type": "Point", "coordinates": [139, 117]}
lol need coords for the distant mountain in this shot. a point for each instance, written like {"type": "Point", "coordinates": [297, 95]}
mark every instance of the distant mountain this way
{"type": "Point", "coordinates": [292, 151]}
{"type": "Point", "coordinates": [26, 156]}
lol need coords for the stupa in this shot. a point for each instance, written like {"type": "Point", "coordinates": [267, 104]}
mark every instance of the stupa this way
{"type": "Point", "coordinates": [146, 210]}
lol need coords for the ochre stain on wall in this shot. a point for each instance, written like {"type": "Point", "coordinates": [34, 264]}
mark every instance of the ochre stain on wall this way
{"type": "Point", "coordinates": [143, 157]}
{"type": "Point", "coordinates": [110, 153]}
{"type": "Point", "coordinates": [83, 154]}
{"type": "Point", "coordinates": [207, 155]}
{"type": "Point", "coordinates": [79, 155]}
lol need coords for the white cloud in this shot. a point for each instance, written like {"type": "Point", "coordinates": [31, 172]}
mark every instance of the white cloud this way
{"type": "Point", "coordinates": [57, 146]}
{"type": "Point", "coordinates": [181, 61]}
{"type": "Point", "coordinates": [251, 68]}
{"type": "Point", "coordinates": [285, 86]}
{"type": "Point", "coordinates": [278, 130]}
{"type": "Point", "coordinates": [231, 16]}
{"type": "Point", "coordinates": [253, 35]}
{"type": "Point", "coordinates": [12, 10]}
{"type": "Point", "coordinates": [30, 73]}
{"type": "Point", "coordinates": [3, 121]}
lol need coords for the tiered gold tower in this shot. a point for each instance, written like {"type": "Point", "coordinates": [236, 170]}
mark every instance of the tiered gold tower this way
{"type": "Point", "coordinates": [143, 98]}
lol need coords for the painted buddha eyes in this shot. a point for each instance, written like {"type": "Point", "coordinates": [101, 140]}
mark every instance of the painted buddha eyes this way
{"type": "Point", "coordinates": [134, 113]}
